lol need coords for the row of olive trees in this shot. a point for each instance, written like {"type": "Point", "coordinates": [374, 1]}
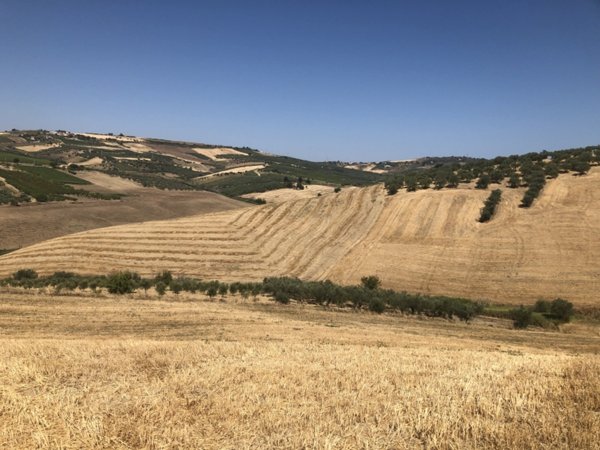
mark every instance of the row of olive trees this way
{"type": "Point", "coordinates": [367, 295]}
{"type": "Point", "coordinates": [517, 168]}
{"type": "Point", "coordinates": [489, 206]}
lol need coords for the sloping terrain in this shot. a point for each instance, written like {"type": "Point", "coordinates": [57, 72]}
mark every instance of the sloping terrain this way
{"type": "Point", "coordinates": [170, 164]}
{"type": "Point", "coordinates": [32, 223]}
{"type": "Point", "coordinates": [426, 241]}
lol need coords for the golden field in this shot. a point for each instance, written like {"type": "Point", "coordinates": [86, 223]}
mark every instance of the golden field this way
{"type": "Point", "coordinates": [84, 371]}
{"type": "Point", "coordinates": [425, 241]}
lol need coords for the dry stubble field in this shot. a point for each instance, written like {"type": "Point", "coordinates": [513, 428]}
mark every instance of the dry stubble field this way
{"type": "Point", "coordinates": [426, 241]}
{"type": "Point", "coordinates": [85, 372]}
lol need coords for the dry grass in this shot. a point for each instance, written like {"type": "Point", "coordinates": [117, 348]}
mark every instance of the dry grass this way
{"type": "Point", "coordinates": [214, 153]}
{"type": "Point", "coordinates": [287, 194]}
{"type": "Point", "coordinates": [81, 372]}
{"type": "Point", "coordinates": [426, 241]}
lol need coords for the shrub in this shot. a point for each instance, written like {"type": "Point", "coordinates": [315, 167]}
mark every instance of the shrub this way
{"type": "Point", "coordinates": [521, 317]}
{"type": "Point", "coordinates": [161, 288]}
{"type": "Point", "coordinates": [561, 310]}
{"type": "Point", "coordinates": [282, 297]}
{"type": "Point", "coordinates": [25, 274]}
{"type": "Point", "coordinates": [234, 288]}
{"type": "Point", "coordinates": [176, 286]}
{"type": "Point", "coordinates": [483, 182]}
{"type": "Point", "coordinates": [514, 181]}
{"type": "Point", "coordinates": [122, 282]}
{"type": "Point", "coordinates": [145, 284]}
{"type": "Point", "coordinates": [376, 305]}
{"type": "Point", "coordinates": [371, 282]}
{"type": "Point", "coordinates": [337, 189]}
{"type": "Point", "coordinates": [165, 276]}
{"type": "Point", "coordinates": [580, 166]}
{"type": "Point", "coordinates": [542, 306]}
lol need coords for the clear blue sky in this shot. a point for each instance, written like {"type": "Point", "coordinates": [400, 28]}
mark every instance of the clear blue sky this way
{"type": "Point", "coordinates": [348, 80]}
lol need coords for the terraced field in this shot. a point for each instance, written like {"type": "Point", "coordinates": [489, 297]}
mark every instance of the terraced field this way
{"type": "Point", "coordinates": [245, 244]}
{"type": "Point", "coordinates": [427, 241]}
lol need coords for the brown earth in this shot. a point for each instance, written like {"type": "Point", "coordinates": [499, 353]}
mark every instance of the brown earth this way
{"type": "Point", "coordinates": [427, 241]}
{"type": "Point", "coordinates": [32, 223]}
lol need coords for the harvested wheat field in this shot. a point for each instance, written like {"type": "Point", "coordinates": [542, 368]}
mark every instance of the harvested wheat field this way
{"type": "Point", "coordinates": [240, 169]}
{"type": "Point", "coordinates": [287, 194]}
{"type": "Point", "coordinates": [214, 153]}
{"type": "Point", "coordinates": [36, 222]}
{"type": "Point", "coordinates": [424, 241]}
{"type": "Point", "coordinates": [99, 372]}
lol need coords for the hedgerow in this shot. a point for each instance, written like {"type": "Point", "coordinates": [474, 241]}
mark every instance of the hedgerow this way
{"type": "Point", "coordinates": [281, 289]}
{"type": "Point", "coordinates": [489, 207]}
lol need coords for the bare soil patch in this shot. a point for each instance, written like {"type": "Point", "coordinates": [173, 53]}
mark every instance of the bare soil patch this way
{"type": "Point", "coordinates": [32, 223]}
{"type": "Point", "coordinates": [214, 153]}
{"type": "Point", "coordinates": [37, 147]}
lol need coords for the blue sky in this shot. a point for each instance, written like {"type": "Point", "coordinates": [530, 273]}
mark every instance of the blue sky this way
{"type": "Point", "coordinates": [347, 80]}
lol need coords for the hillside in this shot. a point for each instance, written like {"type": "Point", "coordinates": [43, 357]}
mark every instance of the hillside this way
{"type": "Point", "coordinates": [425, 241]}
{"type": "Point", "coordinates": [42, 165]}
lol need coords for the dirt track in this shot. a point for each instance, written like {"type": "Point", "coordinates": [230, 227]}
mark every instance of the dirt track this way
{"type": "Point", "coordinates": [428, 241]}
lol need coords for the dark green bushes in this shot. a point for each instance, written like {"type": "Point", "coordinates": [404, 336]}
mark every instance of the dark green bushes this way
{"type": "Point", "coordinates": [122, 282]}
{"type": "Point", "coordinates": [535, 180]}
{"type": "Point", "coordinates": [420, 173]}
{"type": "Point", "coordinates": [377, 300]}
{"type": "Point", "coordinates": [544, 313]}
{"type": "Point", "coordinates": [371, 282]}
{"type": "Point", "coordinates": [281, 289]}
{"type": "Point", "coordinates": [558, 309]}
{"type": "Point", "coordinates": [368, 296]}
{"type": "Point", "coordinates": [25, 274]}
{"type": "Point", "coordinates": [521, 317]}
{"type": "Point", "coordinates": [489, 207]}
{"type": "Point", "coordinates": [483, 182]}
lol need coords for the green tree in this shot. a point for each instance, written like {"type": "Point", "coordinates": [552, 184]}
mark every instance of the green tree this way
{"type": "Point", "coordinates": [145, 284]}
{"type": "Point", "coordinates": [165, 276]}
{"type": "Point", "coordinates": [521, 317]}
{"type": "Point", "coordinates": [25, 274]}
{"type": "Point", "coordinates": [122, 282]}
{"type": "Point", "coordinates": [161, 288]}
{"type": "Point", "coordinates": [212, 292]}
{"type": "Point", "coordinates": [483, 182]}
{"type": "Point", "coordinates": [580, 166]}
{"type": "Point", "coordinates": [376, 305]}
{"type": "Point", "coordinates": [561, 309]}
{"type": "Point", "coordinates": [453, 180]}
{"type": "Point", "coordinates": [371, 282]}
{"type": "Point", "coordinates": [514, 181]}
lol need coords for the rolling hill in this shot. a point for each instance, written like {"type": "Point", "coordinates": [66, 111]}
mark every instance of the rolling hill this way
{"type": "Point", "coordinates": [425, 241]}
